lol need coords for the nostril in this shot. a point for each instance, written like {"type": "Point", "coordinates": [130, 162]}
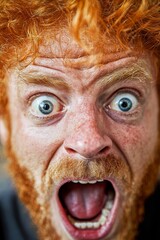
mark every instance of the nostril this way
{"type": "Point", "coordinates": [70, 150]}
{"type": "Point", "coordinates": [89, 153]}
{"type": "Point", "coordinates": [88, 148]}
{"type": "Point", "coordinates": [104, 150]}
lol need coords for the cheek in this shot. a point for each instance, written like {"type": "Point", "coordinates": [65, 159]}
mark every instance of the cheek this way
{"type": "Point", "coordinates": [34, 146]}
{"type": "Point", "coordinates": [138, 142]}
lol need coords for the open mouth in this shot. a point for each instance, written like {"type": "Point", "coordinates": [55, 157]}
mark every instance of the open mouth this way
{"type": "Point", "coordinates": [88, 208]}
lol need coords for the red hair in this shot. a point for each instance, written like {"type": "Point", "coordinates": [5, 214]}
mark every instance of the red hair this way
{"type": "Point", "coordinates": [22, 22]}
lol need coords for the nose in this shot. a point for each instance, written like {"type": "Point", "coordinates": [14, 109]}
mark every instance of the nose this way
{"type": "Point", "coordinates": [88, 139]}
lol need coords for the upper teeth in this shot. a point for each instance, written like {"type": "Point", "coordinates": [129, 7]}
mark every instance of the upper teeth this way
{"type": "Point", "coordinates": [85, 182]}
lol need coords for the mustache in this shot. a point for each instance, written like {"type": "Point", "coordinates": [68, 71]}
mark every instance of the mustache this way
{"type": "Point", "coordinates": [68, 169]}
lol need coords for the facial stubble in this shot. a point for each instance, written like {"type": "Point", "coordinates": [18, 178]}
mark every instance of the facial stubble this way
{"type": "Point", "coordinates": [133, 196]}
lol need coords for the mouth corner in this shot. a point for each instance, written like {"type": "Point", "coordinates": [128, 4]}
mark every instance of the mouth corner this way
{"type": "Point", "coordinates": [88, 208]}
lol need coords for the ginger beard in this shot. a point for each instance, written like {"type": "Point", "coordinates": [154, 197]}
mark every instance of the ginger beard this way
{"type": "Point", "coordinates": [133, 192]}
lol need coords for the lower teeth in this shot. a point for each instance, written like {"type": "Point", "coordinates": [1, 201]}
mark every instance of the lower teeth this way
{"type": "Point", "coordinates": [102, 219]}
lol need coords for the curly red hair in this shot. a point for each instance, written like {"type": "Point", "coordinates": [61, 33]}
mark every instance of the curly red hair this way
{"type": "Point", "coordinates": [22, 23]}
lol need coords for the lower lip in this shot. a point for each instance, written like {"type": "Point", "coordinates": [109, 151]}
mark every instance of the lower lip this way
{"type": "Point", "coordinates": [89, 234]}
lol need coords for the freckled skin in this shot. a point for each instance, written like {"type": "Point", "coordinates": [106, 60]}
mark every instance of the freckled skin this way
{"type": "Point", "coordinates": [85, 131]}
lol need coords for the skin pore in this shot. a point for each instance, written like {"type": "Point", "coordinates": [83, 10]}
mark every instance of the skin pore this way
{"type": "Point", "coordinates": [86, 135]}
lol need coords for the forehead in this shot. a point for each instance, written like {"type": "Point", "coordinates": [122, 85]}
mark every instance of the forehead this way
{"type": "Point", "coordinates": [62, 46]}
{"type": "Point", "coordinates": [63, 55]}
{"type": "Point", "coordinates": [65, 47]}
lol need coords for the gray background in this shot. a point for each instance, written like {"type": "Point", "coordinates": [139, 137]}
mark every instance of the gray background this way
{"type": "Point", "coordinates": [3, 165]}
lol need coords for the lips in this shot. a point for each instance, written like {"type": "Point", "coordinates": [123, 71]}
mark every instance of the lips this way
{"type": "Point", "coordinates": [88, 208]}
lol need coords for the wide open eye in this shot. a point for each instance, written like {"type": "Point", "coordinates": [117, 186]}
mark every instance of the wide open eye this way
{"type": "Point", "coordinates": [124, 102]}
{"type": "Point", "coordinates": [45, 106]}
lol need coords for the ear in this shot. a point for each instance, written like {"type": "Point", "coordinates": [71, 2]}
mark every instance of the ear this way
{"type": "Point", "coordinates": [3, 132]}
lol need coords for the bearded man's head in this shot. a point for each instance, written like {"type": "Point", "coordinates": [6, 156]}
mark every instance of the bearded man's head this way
{"type": "Point", "coordinates": [80, 113]}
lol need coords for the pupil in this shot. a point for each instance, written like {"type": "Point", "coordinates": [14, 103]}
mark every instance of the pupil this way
{"type": "Point", "coordinates": [125, 104]}
{"type": "Point", "coordinates": [46, 107]}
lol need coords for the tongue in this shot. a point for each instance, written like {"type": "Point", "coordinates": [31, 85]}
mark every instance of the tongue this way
{"type": "Point", "coordinates": [84, 201]}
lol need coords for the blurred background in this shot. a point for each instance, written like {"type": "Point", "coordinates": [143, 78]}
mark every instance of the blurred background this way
{"type": "Point", "coordinates": [3, 166]}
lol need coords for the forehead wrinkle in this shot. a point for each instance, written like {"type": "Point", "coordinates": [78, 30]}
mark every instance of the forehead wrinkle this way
{"type": "Point", "coordinates": [136, 71]}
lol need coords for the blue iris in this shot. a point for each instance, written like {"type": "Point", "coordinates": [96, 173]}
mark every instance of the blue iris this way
{"type": "Point", "coordinates": [46, 107]}
{"type": "Point", "coordinates": [125, 104]}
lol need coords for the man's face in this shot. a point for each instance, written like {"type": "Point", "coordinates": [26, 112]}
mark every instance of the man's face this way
{"type": "Point", "coordinates": [83, 141]}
